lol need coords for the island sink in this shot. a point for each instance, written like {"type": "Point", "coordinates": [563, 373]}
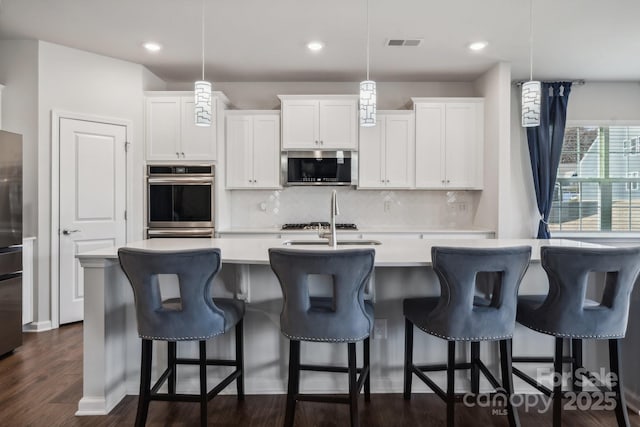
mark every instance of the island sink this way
{"type": "Point", "coordinates": [352, 242]}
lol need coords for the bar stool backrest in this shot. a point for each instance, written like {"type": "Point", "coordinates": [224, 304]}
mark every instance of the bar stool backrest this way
{"type": "Point", "coordinates": [566, 305]}
{"type": "Point", "coordinates": [192, 317]}
{"type": "Point", "coordinates": [342, 318]}
{"type": "Point", "coordinates": [460, 315]}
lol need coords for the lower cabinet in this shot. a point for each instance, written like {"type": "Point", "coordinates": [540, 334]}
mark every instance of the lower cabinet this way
{"type": "Point", "coordinates": [253, 150]}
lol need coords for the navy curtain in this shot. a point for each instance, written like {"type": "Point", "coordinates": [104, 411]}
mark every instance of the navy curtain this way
{"type": "Point", "coordinates": [545, 145]}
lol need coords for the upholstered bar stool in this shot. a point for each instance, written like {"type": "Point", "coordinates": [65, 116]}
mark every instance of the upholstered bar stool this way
{"type": "Point", "coordinates": [566, 313]}
{"type": "Point", "coordinates": [458, 314]}
{"type": "Point", "coordinates": [194, 316]}
{"type": "Point", "coordinates": [344, 317]}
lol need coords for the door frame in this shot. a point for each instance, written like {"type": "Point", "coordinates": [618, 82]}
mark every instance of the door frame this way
{"type": "Point", "coordinates": [56, 116]}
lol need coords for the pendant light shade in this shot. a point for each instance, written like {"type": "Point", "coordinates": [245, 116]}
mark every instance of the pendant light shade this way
{"type": "Point", "coordinates": [367, 92]}
{"type": "Point", "coordinates": [531, 90]}
{"type": "Point", "coordinates": [531, 104]}
{"type": "Point", "coordinates": [367, 103]}
{"type": "Point", "coordinates": [202, 91]}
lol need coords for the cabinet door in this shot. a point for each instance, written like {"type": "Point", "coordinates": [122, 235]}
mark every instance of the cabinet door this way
{"type": "Point", "coordinates": [462, 155]}
{"type": "Point", "coordinates": [266, 151]}
{"type": "Point", "coordinates": [371, 172]}
{"type": "Point", "coordinates": [300, 125]}
{"type": "Point", "coordinates": [239, 152]}
{"type": "Point", "coordinates": [197, 142]}
{"type": "Point", "coordinates": [338, 124]}
{"type": "Point", "coordinates": [430, 156]}
{"type": "Point", "coordinates": [399, 149]}
{"type": "Point", "coordinates": [163, 128]}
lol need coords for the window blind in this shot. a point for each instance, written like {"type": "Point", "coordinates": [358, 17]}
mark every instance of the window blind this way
{"type": "Point", "coordinates": [598, 182]}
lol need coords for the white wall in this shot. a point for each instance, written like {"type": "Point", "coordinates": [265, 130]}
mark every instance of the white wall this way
{"type": "Point", "coordinates": [75, 81]}
{"type": "Point", "coordinates": [494, 86]}
{"type": "Point", "coordinates": [19, 74]}
{"type": "Point", "coordinates": [391, 95]}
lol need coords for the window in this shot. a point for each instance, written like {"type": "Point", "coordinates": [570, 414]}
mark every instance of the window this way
{"type": "Point", "coordinates": [598, 182]}
{"type": "Point", "coordinates": [631, 147]}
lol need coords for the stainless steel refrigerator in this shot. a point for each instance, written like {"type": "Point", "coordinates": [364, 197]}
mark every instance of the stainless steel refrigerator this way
{"type": "Point", "coordinates": [10, 241]}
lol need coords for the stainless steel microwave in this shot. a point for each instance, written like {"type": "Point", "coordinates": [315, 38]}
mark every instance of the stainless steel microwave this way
{"type": "Point", "coordinates": [319, 168]}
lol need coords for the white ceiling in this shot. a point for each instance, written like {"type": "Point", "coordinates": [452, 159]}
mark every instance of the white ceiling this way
{"type": "Point", "coordinates": [264, 40]}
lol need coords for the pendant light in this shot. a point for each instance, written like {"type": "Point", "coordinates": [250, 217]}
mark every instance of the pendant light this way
{"type": "Point", "coordinates": [202, 91]}
{"type": "Point", "coordinates": [367, 92]}
{"type": "Point", "coordinates": [531, 90]}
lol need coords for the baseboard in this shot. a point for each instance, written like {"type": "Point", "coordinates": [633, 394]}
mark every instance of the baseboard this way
{"type": "Point", "coordinates": [37, 326]}
{"type": "Point", "coordinates": [633, 401]}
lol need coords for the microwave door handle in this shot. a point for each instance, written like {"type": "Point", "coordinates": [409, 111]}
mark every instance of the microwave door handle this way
{"type": "Point", "coordinates": [181, 180]}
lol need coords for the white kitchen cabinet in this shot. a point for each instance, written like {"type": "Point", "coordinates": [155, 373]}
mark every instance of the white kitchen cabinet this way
{"type": "Point", "coordinates": [386, 154]}
{"type": "Point", "coordinates": [449, 143]}
{"type": "Point", "coordinates": [327, 122]}
{"type": "Point", "coordinates": [170, 130]}
{"type": "Point", "coordinates": [253, 149]}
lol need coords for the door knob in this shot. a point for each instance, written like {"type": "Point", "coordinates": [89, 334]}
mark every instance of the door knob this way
{"type": "Point", "coordinates": [68, 232]}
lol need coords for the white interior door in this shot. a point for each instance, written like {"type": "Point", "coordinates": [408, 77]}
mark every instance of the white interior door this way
{"type": "Point", "coordinates": [92, 201]}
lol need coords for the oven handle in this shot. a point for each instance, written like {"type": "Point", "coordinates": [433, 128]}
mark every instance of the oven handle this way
{"type": "Point", "coordinates": [190, 232]}
{"type": "Point", "coordinates": [181, 180]}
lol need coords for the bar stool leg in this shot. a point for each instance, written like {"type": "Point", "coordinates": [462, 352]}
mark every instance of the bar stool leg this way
{"type": "Point", "coordinates": [557, 384]}
{"type": "Point", "coordinates": [353, 384]}
{"type": "Point", "coordinates": [576, 353]}
{"type": "Point", "coordinates": [451, 374]}
{"type": "Point", "coordinates": [615, 363]}
{"type": "Point", "coordinates": [203, 383]}
{"type": "Point", "coordinates": [367, 365]}
{"type": "Point", "coordinates": [507, 381]}
{"type": "Point", "coordinates": [240, 359]}
{"type": "Point", "coordinates": [171, 361]}
{"type": "Point", "coordinates": [145, 383]}
{"type": "Point", "coordinates": [408, 358]}
{"type": "Point", "coordinates": [292, 387]}
{"type": "Point", "coordinates": [475, 370]}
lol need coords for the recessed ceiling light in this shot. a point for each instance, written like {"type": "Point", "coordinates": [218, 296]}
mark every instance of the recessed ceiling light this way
{"type": "Point", "coordinates": [315, 46]}
{"type": "Point", "coordinates": [476, 46]}
{"type": "Point", "coordinates": [152, 47]}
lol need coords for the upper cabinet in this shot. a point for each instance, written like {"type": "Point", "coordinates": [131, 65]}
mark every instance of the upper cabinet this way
{"type": "Point", "coordinates": [449, 143]}
{"type": "Point", "coordinates": [386, 155]}
{"type": "Point", "coordinates": [253, 149]}
{"type": "Point", "coordinates": [170, 130]}
{"type": "Point", "coordinates": [328, 122]}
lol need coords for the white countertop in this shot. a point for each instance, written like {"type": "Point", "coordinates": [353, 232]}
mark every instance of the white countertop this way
{"type": "Point", "coordinates": [278, 230]}
{"type": "Point", "coordinates": [391, 253]}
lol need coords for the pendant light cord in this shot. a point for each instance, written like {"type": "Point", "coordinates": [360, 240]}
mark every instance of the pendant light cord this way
{"type": "Point", "coordinates": [202, 15]}
{"type": "Point", "coordinates": [367, 39]}
{"type": "Point", "coordinates": [530, 40]}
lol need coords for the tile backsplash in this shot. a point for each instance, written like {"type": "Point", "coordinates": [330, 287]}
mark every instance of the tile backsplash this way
{"type": "Point", "coordinates": [366, 208]}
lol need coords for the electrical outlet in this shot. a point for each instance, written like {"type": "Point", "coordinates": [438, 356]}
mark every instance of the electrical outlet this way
{"type": "Point", "coordinates": [387, 205]}
{"type": "Point", "coordinates": [380, 329]}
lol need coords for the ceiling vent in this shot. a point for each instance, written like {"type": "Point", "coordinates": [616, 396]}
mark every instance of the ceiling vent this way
{"type": "Point", "coordinates": [404, 42]}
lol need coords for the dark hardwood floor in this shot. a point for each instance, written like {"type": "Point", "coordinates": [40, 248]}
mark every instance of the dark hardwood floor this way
{"type": "Point", "coordinates": [41, 383]}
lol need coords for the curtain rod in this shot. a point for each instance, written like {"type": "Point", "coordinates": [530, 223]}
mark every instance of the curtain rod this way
{"type": "Point", "coordinates": [575, 82]}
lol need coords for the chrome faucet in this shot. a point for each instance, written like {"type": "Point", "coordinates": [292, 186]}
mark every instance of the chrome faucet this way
{"type": "Point", "coordinates": [331, 234]}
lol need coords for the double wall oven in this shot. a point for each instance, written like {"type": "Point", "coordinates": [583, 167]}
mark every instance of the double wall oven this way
{"type": "Point", "coordinates": [180, 200]}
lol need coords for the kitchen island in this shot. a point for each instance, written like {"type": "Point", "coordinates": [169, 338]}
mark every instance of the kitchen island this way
{"type": "Point", "coordinates": [402, 269]}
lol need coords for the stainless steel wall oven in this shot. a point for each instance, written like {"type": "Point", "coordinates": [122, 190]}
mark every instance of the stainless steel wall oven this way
{"type": "Point", "coordinates": [180, 200]}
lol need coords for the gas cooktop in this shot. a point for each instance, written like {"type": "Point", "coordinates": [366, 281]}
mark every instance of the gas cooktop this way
{"type": "Point", "coordinates": [316, 225]}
